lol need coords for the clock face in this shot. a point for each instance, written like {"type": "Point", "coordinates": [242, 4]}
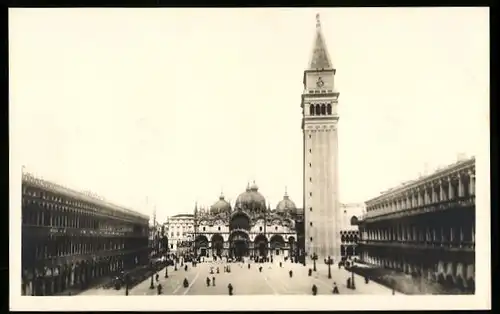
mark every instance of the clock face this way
{"type": "Point", "coordinates": [320, 82]}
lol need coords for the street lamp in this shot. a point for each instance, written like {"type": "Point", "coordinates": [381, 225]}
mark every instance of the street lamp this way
{"type": "Point", "coordinates": [126, 284]}
{"type": "Point", "coordinates": [329, 262]}
{"type": "Point", "coordinates": [314, 258]}
{"type": "Point", "coordinates": [152, 285]}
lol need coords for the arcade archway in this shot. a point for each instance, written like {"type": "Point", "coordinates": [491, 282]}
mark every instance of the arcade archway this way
{"type": "Point", "coordinates": [201, 242]}
{"type": "Point", "coordinates": [239, 244]}
{"type": "Point", "coordinates": [292, 245]}
{"type": "Point", "coordinates": [217, 245]}
{"type": "Point", "coordinates": [277, 244]}
{"type": "Point", "coordinates": [260, 245]}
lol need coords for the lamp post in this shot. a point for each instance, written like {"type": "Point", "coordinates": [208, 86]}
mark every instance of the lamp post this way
{"type": "Point", "coordinates": [152, 285]}
{"type": "Point", "coordinates": [329, 262]}
{"type": "Point", "coordinates": [353, 286]}
{"type": "Point", "coordinates": [126, 284]}
{"type": "Point", "coordinates": [314, 258]}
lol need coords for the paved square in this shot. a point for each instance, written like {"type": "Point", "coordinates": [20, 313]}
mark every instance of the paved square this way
{"type": "Point", "coordinates": [273, 280]}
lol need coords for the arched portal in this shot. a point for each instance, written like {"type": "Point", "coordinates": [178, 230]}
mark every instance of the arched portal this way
{"type": "Point", "coordinates": [291, 243]}
{"type": "Point", "coordinates": [201, 242]}
{"type": "Point", "coordinates": [260, 245]}
{"type": "Point", "coordinates": [239, 220]}
{"type": "Point", "coordinates": [277, 243]}
{"type": "Point", "coordinates": [238, 242]}
{"type": "Point", "coordinates": [217, 245]}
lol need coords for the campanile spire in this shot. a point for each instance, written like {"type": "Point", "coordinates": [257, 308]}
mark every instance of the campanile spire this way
{"type": "Point", "coordinates": [320, 59]}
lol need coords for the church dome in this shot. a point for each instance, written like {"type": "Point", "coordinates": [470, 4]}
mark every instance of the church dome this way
{"type": "Point", "coordinates": [220, 206]}
{"type": "Point", "coordinates": [251, 199]}
{"type": "Point", "coordinates": [286, 205]}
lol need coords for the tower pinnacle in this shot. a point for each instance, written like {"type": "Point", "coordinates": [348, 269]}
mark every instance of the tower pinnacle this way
{"type": "Point", "coordinates": [320, 59]}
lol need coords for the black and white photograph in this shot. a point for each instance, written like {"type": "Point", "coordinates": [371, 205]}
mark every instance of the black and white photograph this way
{"type": "Point", "coordinates": [195, 158]}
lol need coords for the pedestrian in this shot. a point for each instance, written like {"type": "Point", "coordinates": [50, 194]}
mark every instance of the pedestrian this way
{"type": "Point", "coordinates": [281, 265]}
{"type": "Point", "coordinates": [230, 288]}
{"type": "Point", "coordinates": [314, 289]}
{"type": "Point", "coordinates": [186, 267]}
{"type": "Point", "coordinates": [186, 283]}
{"type": "Point", "coordinates": [367, 280]}
{"type": "Point", "coordinates": [248, 265]}
{"type": "Point", "coordinates": [157, 277]}
{"type": "Point", "coordinates": [260, 268]}
{"type": "Point", "coordinates": [159, 288]}
{"type": "Point", "coordinates": [213, 281]}
{"type": "Point", "coordinates": [290, 273]}
{"type": "Point", "coordinates": [335, 288]}
{"type": "Point", "coordinates": [208, 282]}
{"type": "Point", "coordinates": [348, 283]}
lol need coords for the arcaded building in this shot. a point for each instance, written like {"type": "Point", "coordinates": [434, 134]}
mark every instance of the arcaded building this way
{"type": "Point", "coordinates": [251, 228]}
{"type": "Point", "coordinates": [426, 227]}
{"type": "Point", "coordinates": [70, 239]}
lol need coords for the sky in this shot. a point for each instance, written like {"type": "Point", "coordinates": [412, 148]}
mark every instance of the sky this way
{"type": "Point", "coordinates": [163, 108]}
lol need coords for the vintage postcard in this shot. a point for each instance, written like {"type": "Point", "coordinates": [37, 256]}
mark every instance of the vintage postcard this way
{"type": "Point", "coordinates": [229, 159]}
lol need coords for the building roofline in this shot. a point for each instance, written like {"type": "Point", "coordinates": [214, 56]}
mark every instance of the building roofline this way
{"type": "Point", "coordinates": [28, 178]}
{"type": "Point", "coordinates": [414, 183]}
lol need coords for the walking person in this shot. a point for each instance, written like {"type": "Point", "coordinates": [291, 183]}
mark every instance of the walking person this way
{"type": "Point", "coordinates": [230, 288]}
{"type": "Point", "coordinates": [208, 282]}
{"type": "Point", "coordinates": [335, 288]}
{"type": "Point", "coordinates": [213, 281]}
{"type": "Point", "coordinates": [314, 289]}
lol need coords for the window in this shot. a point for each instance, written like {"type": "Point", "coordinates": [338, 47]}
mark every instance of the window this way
{"type": "Point", "coordinates": [311, 224]}
{"type": "Point", "coordinates": [310, 209]}
{"type": "Point", "coordinates": [311, 239]}
{"type": "Point", "coordinates": [178, 233]}
{"type": "Point", "coordinates": [218, 228]}
{"type": "Point", "coordinates": [260, 228]}
{"type": "Point", "coordinates": [310, 193]}
{"type": "Point", "coordinates": [310, 179]}
{"type": "Point", "coordinates": [203, 228]}
{"type": "Point", "coordinates": [309, 135]}
{"type": "Point", "coordinates": [171, 246]}
{"type": "Point", "coordinates": [276, 228]}
{"type": "Point", "coordinates": [309, 150]}
{"type": "Point", "coordinates": [309, 165]}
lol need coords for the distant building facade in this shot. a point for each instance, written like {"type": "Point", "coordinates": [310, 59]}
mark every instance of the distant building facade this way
{"type": "Point", "coordinates": [70, 239]}
{"type": "Point", "coordinates": [349, 230]}
{"type": "Point", "coordinates": [426, 227]}
{"type": "Point", "coordinates": [251, 228]}
{"type": "Point", "coordinates": [179, 229]}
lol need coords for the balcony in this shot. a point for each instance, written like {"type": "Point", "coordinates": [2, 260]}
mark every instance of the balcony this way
{"type": "Point", "coordinates": [44, 231]}
{"type": "Point", "coordinates": [464, 202]}
{"type": "Point", "coordinates": [455, 246]}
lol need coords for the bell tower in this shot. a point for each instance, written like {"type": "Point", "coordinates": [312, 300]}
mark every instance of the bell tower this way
{"type": "Point", "coordinates": [319, 126]}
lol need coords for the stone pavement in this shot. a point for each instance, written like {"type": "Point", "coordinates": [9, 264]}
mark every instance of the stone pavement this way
{"type": "Point", "coordinates": [272, 280]}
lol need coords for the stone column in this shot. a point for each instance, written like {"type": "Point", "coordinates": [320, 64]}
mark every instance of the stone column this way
{"type": "Point", "coordinates": [461, 190]}
{"type": "Point", "coordinates": [450, 188]}
{"type": "Point", "coordinates": [472, 183]}
{"type": "Point", "coordinates": [442, 196]}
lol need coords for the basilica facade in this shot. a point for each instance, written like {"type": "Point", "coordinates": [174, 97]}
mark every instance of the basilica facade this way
{"type": "Point", "coordinates": [249, 228]}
